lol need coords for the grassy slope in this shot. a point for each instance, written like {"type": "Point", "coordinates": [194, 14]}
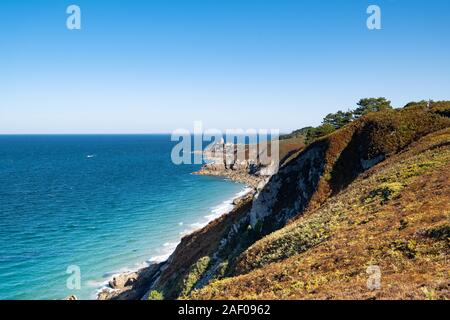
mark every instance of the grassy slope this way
{"type": "Point", "coordinates": [231, 246]}
{"type": "Point", "coordinates": [289, 147]}
{"type": "Point", "coordinates": [395, 216]}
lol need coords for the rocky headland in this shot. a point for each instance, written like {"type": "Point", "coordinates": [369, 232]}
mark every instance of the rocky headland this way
{"type": "Point", "coordinates": [222, 161]}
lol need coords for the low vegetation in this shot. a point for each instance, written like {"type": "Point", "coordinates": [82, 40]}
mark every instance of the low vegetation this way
{"type": "Point", "coordinates": [368, 187]}
{"type": "Point", "coordinates": [155, 295]}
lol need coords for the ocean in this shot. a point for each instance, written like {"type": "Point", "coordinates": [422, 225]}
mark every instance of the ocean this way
{"type": "Point", "coordinates": [103, 203]}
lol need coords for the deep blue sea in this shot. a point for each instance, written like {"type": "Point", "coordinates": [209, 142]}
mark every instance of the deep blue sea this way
{"type": "Point", "coordinates": [104, 203]}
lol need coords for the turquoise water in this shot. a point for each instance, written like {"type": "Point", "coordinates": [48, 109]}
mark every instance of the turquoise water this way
{"type": "Point", "coordinates": [103, 203]}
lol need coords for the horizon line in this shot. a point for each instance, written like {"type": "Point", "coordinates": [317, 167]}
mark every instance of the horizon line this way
{"type": "Point", "coordinates": [95, 134]}
{"type": "Point", "coordinates": [81, 134]}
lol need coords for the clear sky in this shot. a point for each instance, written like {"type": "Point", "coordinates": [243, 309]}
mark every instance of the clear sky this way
{"type": "Point", "coordinates": [158, 65]}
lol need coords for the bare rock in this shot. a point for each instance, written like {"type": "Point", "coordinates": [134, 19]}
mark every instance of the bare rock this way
{"type": "Point", "coordinates": [106, 294]}
{"type": "Point", "coordinates": [132, 285]}
{"type": "Point", "coordinates": [123, 280]}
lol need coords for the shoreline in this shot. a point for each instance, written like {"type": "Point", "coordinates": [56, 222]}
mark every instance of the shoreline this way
{"type": "Point", "coordinates": [131, 283]}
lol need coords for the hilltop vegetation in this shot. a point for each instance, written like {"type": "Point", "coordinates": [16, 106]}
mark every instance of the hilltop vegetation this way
{"type": "Point", "coordinates": [334, 121]}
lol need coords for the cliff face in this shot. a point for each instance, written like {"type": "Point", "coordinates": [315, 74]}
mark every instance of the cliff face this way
{"type": "Point", "coordinates": [306, 214]}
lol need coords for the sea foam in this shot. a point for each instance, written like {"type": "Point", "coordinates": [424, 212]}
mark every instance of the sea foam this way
{"type": "Point", "coordinates": [168, 248]}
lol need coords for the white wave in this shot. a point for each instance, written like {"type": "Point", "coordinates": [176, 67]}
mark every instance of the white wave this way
{"type": "Point", "coordinates": [197, 225]}
{"type": "Point", "coordinates": [216, 212]}
{"type": "Point", "coordinates": [160, 258]}
{"type": "Point", "coordinates": [169, 247]}
{"type": "Point", "coordinates": [164, 253]}
{"type": "Point", "coordinates": [94, 283]}
{"type": "Point", "coordinates": [107, 277]}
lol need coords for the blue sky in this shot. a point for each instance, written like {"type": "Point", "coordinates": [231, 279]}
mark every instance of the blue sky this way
{"type": "Point", "coordinates": [138, 67]}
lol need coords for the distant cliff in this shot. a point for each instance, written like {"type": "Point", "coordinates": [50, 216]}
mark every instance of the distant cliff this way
{"type": "Point", "coordinates": [223, 161]}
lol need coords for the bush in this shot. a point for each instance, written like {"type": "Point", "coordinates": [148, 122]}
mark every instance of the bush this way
{"type": "Point", "coordinates": [155, 295]}
{"type": "Point", "coordinates": [369, 105]}
{"type": "Point", "coordinates": [319, 132]}
{"type": "Point", "coordinates": [386, 191]}
{"type": "Point", "coordinates": [194, 274]}
{"type": "Point", "coordinates": [441, 232]}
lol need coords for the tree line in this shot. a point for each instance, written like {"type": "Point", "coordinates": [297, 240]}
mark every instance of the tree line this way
{"type": "Point", "coordinates": [334, 121]}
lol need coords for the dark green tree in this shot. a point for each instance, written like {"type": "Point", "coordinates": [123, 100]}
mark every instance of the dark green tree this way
{"type": "Point", "coordinates": [338, 119]}
{"type": "Point", "coordinates": [368, 105]}
{"type": "Point", "coordinates": [316, 133]}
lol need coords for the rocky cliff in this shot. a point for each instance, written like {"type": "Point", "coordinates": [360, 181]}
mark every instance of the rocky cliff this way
{"type": "Point", "coordinates": [309, 229]}
{"type": "Point", "coordinates": [223, 161]}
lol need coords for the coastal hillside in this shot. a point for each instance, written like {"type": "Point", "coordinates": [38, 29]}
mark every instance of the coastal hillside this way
{"type": "Point", "coordinates": [395, 217]}
{"type": "Point", "coordinates": [373, 192]}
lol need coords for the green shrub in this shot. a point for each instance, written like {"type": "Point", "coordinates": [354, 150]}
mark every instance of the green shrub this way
{"type": "Point", "coordinates": [155, 295]}
{"type": "Point", "coordinates": [194, 275]}
{"type": "Point", "coordinates": [386, 191]}
{"type": "Point", "coordinates": [408, 248]}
